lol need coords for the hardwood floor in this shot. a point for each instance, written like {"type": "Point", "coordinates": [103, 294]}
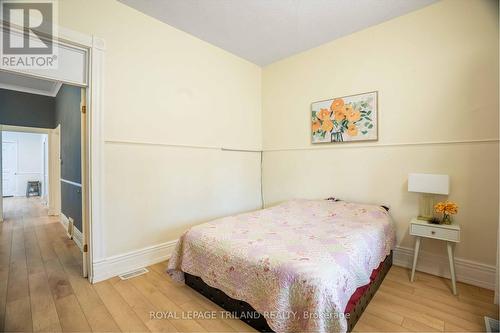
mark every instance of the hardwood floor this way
{"type": "Point", "coordinates": [41, 289]}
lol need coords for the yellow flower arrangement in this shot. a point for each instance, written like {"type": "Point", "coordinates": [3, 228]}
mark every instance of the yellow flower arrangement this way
{"type": "Point", "coordinates": [447, 208]}
{"type": "Point", "coordinates": [353, 115]}
{"type": "Point", "coordinates": [339, 115]}
{"type": "Point", "coordinates": [352, 130]}
{"type": "Point", "coordinates": [327, 125]}
{"type": "Point", "coordinates": [337, 104]}
{"type": "Point", "coordinates": [316, 126]}
{"type": "Point", "coordinates": [324, 114]}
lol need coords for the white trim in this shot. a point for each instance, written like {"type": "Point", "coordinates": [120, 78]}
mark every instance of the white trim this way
{"type": "Point", "coordinates": [164, 144]}
{"type": "Point", "coordinates": [84, 179]}
{"type": "Point", "coordinates": [54, 172]}
{"type": "Point", "coordinates": [94, 232]}
{"type": "Point", "coordinates": [63, 38]}
{"type": "Point", "coordinates": [70, 182]}
{"type": "Point", "coordinates": [349, 145]}
{"type": "Point", "coordinates": [56, 89]}
{"type": "Point", "coordinates": [319, 147]}
{"type": "Point", "coordinates": [51, 93]}
{"type": "Point", "coordinates": [179, 145]}
{"type": "Point", "coordinates": [78, 238]}
{"type": "Point", "coordinates": [115, 265]}
{"type": "Point", "coordinates": [77, 234]}
{"type": "Point", "coordinates": [44, 77]}
{"type": "Point", "coordinates": [64, 220]}
{"type": "Point", "coordinates": [467, 271]}
{"type": "Point", "coordinates": [38, 130]}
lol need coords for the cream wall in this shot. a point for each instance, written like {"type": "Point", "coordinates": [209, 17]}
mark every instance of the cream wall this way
{"type": "Point", "coordinates": [436, 72]}
{"type": "Point", "coordinates": [163, 86]}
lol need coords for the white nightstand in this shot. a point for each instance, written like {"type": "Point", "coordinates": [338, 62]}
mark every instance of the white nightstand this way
{"type": "Point", "coordinates": [445, 232]}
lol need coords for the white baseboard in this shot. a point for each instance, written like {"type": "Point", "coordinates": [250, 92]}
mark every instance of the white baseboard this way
{"type": "Point", "coordinates": [467, 271]}
{"type": "Point", "coordinates": [112, 266]}
{"type": "Point", "coordinates": [53, 212]}
{"type": "Point", "coordinates": [78, 238]}
{"type": "Point", "coordinates": [77, 234]}
{"type": "Point", "coordinates": [64, 221]}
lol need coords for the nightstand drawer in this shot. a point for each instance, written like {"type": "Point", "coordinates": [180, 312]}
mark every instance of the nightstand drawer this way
{"type": "Point", "coordinates": [429, 231]}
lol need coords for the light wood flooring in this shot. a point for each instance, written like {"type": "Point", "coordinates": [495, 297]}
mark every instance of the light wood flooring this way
{"type": "Point", "coordinates": [41, 290]}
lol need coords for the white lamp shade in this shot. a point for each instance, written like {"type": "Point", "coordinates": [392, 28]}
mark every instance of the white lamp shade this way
{"type": "Point", "coordinates": [429, 183]}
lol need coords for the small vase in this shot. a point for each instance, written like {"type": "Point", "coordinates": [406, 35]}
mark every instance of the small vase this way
{"type": "Point", "coordinates": [336, 137]}
{"type": "Point", "coordinates": [447, 219]}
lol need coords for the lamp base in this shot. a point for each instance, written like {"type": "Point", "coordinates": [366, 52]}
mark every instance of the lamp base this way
{"type": "Point", "coordinates": [426, 209]}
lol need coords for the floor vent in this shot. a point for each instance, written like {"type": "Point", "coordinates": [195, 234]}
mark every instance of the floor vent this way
{"type": "Point", "coordinates": [132, 274]}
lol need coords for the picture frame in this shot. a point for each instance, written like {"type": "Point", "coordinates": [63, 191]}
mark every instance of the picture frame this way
{"type": "Point", "coordinates": [351, 118]}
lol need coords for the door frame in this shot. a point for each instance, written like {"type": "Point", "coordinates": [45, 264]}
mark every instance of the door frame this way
{"type": "Point", "coordinates": [45, 169]}
{"type": "Point", "coordinates": [94, 48]}
{"type": "Point", "coordinates": [55, 171]}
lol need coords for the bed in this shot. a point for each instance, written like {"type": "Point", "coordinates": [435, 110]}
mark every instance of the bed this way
{"type": "Point", "coordinates": [298, 264]}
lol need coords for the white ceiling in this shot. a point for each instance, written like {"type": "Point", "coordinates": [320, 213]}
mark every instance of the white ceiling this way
{"type": "Point", "coordinates": [264, 31]}
{"type": "Point", "coordinates": [28, 84]}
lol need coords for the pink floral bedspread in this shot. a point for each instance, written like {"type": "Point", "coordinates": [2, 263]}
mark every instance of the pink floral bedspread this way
{"type": "Point", "coordinates": [297, 263]}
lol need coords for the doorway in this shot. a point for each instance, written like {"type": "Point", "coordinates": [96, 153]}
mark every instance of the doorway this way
{"type": "Point", "coordinates": [81, 60]}
{"type": "Point", "coordinates": [46, 162]}
{"type": "Point", "coordinates": [23, 156]}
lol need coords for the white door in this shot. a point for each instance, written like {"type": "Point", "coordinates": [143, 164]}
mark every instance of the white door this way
{"type": "Point", "coordinates": [9, 166]}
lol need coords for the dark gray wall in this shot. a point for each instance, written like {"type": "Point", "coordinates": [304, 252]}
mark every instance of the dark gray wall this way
{"type": "Point", "coordinates": [71, 203]}
{"type": "Point", "coordinates": [24, 109]}
{"type": "Point", "coordinates": [67, 114]}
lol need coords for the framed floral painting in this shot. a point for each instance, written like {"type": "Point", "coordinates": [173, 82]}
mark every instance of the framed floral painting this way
{"type": "Point", "coordinates": [345, 119]}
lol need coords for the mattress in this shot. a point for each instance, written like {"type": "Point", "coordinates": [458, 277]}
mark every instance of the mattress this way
{"type": "Point", "coordinates": [297, 263]}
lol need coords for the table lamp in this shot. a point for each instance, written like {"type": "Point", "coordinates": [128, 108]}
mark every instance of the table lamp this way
{"type": "Point", "coordinates": [428, 185]}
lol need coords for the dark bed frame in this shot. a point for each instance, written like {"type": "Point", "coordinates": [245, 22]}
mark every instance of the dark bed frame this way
{"type": "Point", "coordinates": [241, 309]}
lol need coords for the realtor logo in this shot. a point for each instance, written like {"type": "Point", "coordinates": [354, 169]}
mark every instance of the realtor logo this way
{"type": "Point", "coordinates": [28, 34]}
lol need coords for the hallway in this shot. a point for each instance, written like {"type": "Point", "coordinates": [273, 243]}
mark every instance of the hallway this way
{"type": "Point", "coordinates": [41, 288]}
{"type": "Point", "coordinates": [39, 267]}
